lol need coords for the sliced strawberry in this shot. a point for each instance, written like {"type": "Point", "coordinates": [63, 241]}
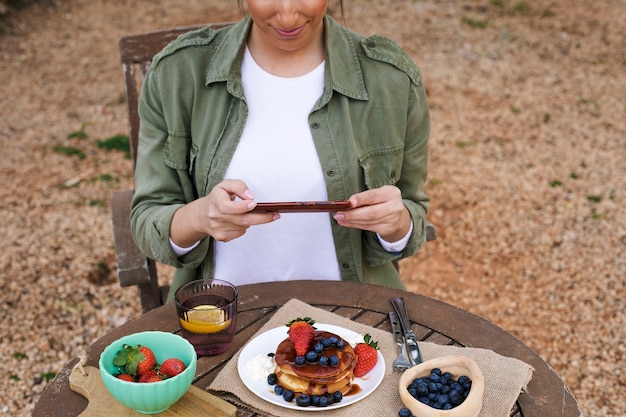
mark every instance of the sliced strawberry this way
{"type": "Point", "coordinates": [301, 332]}
{"type": "Point", "coordinates": [367, 356]}
{"type": "Point", "coordinates": [172, 367]}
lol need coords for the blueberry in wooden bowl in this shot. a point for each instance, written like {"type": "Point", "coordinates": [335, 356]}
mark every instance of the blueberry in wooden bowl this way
{"type": "Point", "coordinates": [448, 386]}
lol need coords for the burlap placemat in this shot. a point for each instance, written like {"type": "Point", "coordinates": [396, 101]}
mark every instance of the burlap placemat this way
{"type": "Point", "coordinates": [505, 377]}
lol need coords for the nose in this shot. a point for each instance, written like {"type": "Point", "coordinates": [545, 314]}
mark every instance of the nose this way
{"type": "Point", "coordinates": [287, 13]}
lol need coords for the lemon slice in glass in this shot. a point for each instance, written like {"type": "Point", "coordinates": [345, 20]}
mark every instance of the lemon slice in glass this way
{"type": "Point", "coordinates": [204, 319]}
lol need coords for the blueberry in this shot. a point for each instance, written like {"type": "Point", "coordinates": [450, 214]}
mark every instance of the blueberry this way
{"type": "Point", "coordinates": [315, 400]}
{"type": "Point", "coordinates": [303, 400]}
{"type": "Point", "coordinates": [330, 399]}
{"type": "Point", "coordinates": [436, 371]}
{"type": "Point", "coordinates": [443, 399]}
{"type": "Point", "coordinates": [411, 390]}
{"type": "Point", "coordinates": [422, 388]}
{"type": "Point", "coordinates": [424, 400]}
{"type": "Point", "coordinates": [288, 395]}
{"type": "Point", "coordinates": [333, 340]}
{"type": "Point", "coordinates": [463, 379]}
{"type": "Point", "coordinates": [272, 379]}
{"type": "Point", "coordinates": [455, 397]}
{"type": "Point", "coordinates": [333, 360]}
{"type": "Point", "coordinates": [300, 360]}
{"type": "Point", "coordinates": [422, 379]}
{"type": "Point", "coordinates": [340, 344]}
{"type": "Point", "coordinates": [323, 361]}
{"type": "Point", "coordinates": [434, 377]}
{"type": "Point", "coordinates": [447, 406]}
{"type": "Point", "coordinates": [278, 390]}
{"type": "Point", "coordinates": [337, 396]}
{"type": "Point", "coordinates": [311, 356]}
{"type": "Point", "coordinates": [404, 412]}
{"type": "Point", "coordinates": [432, 387]}
{"type": "Point", "coordinates": [326, 342]}
{"type": "Point", "coordinates": [318, 347]}
{"type": "Point", "coordinates": [323, 401]}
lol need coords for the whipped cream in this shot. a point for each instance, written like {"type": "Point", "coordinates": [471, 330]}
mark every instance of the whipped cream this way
{"type": "Point", "coordinates": [260, 366]}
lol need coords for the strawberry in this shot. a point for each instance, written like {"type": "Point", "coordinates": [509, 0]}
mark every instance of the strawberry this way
{"type": "Point", "coordinates": [301, 332]}
{"type": "Point", "coordinates": [172, 367]}
{"type": "Point", "coordinates": [125, 377]}
{"type": "Point", "coordinates": [150, 376]}
{"type": "Point", "coordinates": [136, 360]}
{"type": "Point", "coordinates": [366, 356]}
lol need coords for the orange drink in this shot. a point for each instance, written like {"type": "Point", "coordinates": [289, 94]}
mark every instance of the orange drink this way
{"type": "Point", "coordinates": [207, 313]}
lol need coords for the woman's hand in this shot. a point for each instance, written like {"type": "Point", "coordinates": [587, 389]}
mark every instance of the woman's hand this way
{"type": "Point", "coordinates": [218, 214]}
{"type": "Point", "coordinates": [380, 210]}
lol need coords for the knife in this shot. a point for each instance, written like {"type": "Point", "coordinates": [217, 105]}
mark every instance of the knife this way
{"type": "Point", "coordinates": [413, 350]}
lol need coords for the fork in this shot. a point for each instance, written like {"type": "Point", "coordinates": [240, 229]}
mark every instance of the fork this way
{"type": "Point", "coordinates": [401, 363]}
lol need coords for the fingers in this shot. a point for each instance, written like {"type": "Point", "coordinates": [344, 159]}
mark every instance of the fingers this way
{"type": "Point", "coordinates": [228, 191]}
{"type": "Point", "coordinates": [375, 196]}
{"type": "Point", "coordinates": [379, 210]}
{"type": "Point", "coordinates": [227, 211]}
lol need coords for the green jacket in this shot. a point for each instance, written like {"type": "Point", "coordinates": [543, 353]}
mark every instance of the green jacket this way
{"type": "Point", "coordinates": [370, 128]}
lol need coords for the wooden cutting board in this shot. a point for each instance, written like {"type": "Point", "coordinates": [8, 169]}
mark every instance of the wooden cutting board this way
{"type": "Point", "coordinates": [195, 402]}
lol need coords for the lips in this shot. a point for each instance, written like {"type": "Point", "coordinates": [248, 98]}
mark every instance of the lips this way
{"type": "Point", "coordinates": [289, 33]}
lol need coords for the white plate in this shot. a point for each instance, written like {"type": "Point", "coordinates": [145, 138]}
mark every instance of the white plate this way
{"type": "Point", "coordinates": [268, 342]}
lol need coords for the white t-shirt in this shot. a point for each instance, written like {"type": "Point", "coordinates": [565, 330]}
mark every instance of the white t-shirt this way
{"type": "Point", "coordinates": [277, 159]}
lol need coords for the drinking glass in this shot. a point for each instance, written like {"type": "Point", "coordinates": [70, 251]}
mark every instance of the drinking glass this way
{"type": "Point", "coordinates": [207, 313]}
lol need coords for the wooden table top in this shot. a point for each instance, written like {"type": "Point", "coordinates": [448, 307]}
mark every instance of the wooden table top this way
{"type": "Point", "coordinates": [432, 321]}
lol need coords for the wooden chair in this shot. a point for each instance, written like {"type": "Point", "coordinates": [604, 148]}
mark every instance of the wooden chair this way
{"type": "Point", "coordinates": [133, 267]}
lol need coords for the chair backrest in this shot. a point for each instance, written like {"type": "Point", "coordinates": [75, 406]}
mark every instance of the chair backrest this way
{"type": "Point", "coordinates": [137, 52]}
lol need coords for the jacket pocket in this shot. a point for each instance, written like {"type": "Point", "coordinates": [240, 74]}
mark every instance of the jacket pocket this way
{"type": "Point", "coordinates": [382, 167]}
{"type": "Point", "coordinates": [176, 152]}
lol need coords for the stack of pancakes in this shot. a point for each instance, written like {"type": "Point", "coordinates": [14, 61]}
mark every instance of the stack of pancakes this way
{"type": "Point", "coordinates": [313, 378]}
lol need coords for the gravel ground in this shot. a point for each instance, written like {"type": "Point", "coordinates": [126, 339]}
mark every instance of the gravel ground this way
{"type": "Point", "coordinates": [527, 175]}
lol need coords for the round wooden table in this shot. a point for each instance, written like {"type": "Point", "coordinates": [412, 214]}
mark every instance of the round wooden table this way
{"type": "Point", "coordinates": [432, 321]}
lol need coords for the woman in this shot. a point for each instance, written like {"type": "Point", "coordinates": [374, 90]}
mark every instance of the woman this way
{"type": "Point", "coordinates": [285, 105]}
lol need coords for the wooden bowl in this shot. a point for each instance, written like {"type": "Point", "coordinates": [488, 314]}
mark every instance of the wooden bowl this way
{"type": "Point", "coordinates": [457, 365]}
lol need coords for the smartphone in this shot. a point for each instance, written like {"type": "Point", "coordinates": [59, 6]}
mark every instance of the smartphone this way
{"type": "Point", "coordinates": [303, 206]}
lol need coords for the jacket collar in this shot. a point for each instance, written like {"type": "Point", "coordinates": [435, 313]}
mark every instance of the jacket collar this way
{"type": "Point", "coordinates": [343, 70]}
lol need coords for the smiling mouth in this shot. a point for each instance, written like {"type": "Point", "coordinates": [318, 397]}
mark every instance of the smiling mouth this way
{"type": "Point", "coordinates": [289, 33]}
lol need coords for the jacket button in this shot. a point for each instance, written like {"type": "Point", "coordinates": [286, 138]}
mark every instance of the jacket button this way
{"type": "Point", "coordinates": [330, 173]}
{"type": "Point", "coordinates": [315, 125]}
{"type": "Point", "coordinates": [392, 174]}
{"type": "Point", "coordinates": [345, 265]}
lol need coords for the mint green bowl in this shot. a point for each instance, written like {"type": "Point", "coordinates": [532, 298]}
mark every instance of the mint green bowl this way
{"type": "Point", "coordinates": [154, 397]}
